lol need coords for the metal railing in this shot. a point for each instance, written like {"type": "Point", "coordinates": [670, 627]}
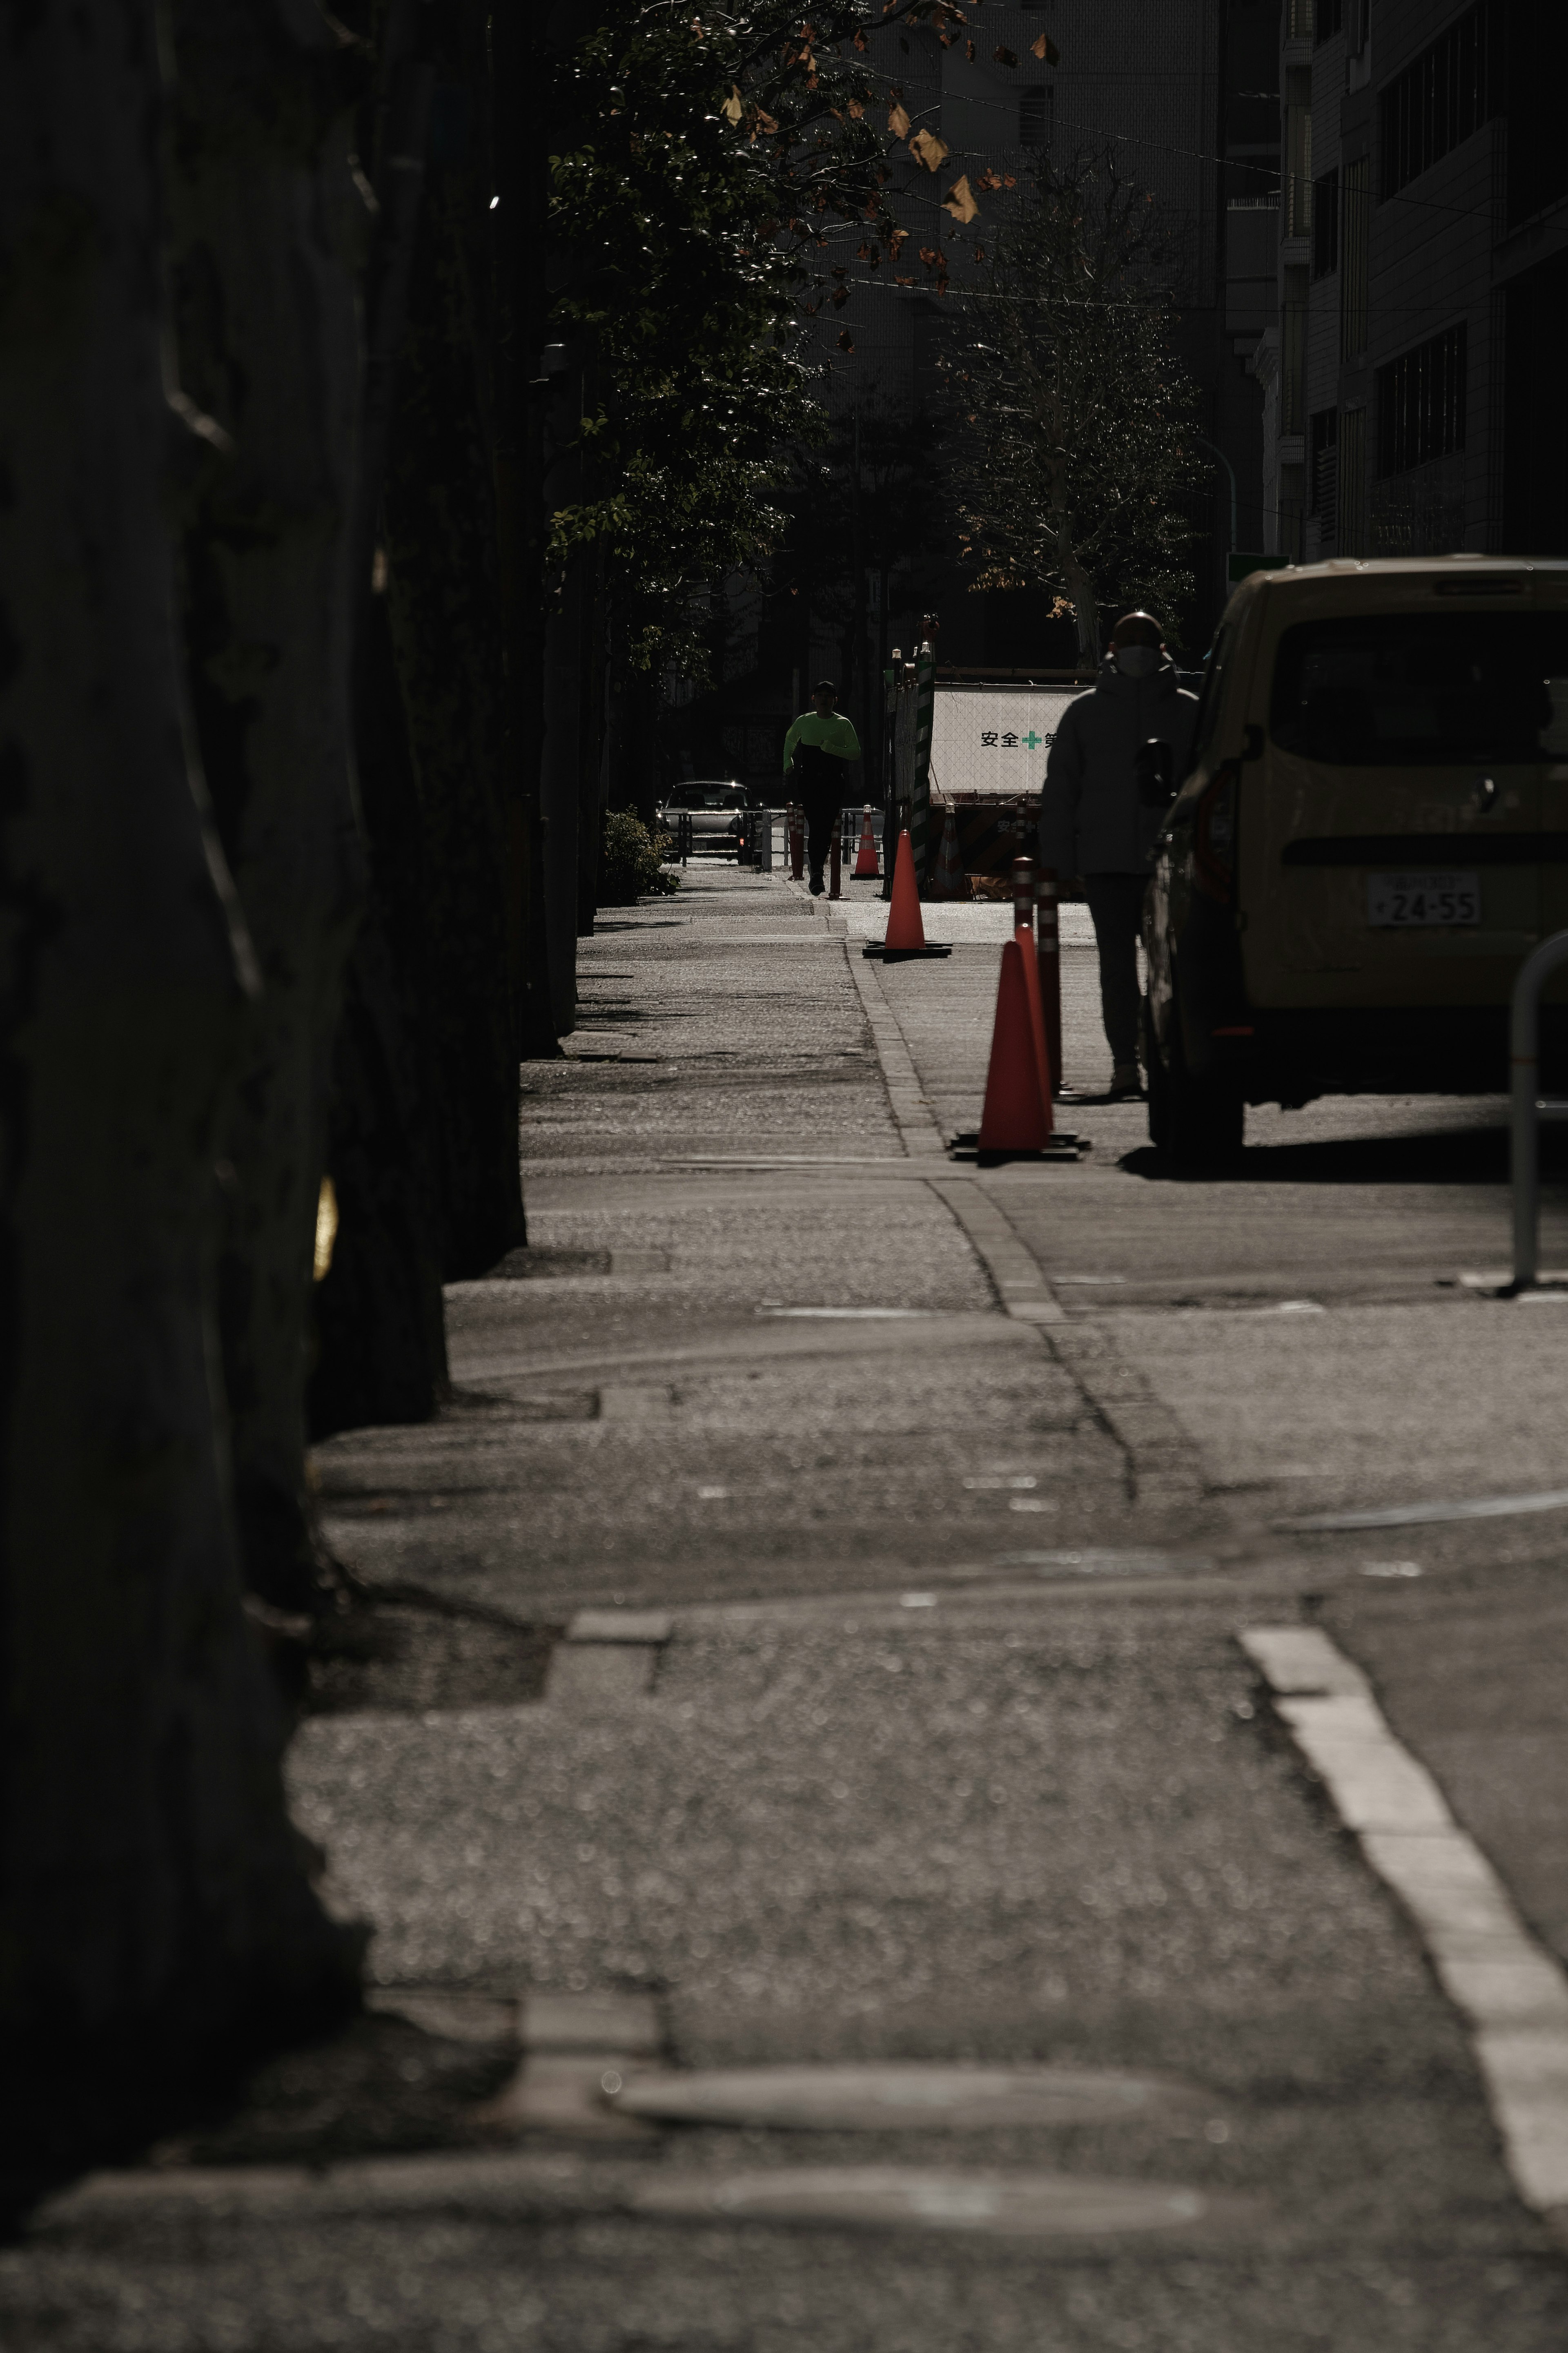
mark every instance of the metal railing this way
{"type": "Point", "coordinates": [1529, 1107]}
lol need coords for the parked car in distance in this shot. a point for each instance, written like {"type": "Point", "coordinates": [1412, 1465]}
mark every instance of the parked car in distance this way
{"type": "Point", "coordinates": [715, 805]}
{"type": "Point", "coordinates": [1371, 837]}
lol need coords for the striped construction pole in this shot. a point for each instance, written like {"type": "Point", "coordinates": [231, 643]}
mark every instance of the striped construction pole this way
{"type": "Point", "coordinates": [1048, 947]}
{"type": "Point", "coordinates": [919, 796]}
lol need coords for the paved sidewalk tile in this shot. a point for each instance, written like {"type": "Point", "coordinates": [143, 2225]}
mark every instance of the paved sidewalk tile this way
{"type": "Point", "coordinates": [881, 1704]}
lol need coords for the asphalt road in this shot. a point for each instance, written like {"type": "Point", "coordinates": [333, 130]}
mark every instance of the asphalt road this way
{"type": "Point", "coordinates": [947, 1751]}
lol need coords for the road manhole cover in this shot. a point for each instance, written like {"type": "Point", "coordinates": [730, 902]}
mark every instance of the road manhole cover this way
{"type": "Point", "coordinates": [1002, 2205]}
{"type": "Point", "coordinates": [897, 2098]}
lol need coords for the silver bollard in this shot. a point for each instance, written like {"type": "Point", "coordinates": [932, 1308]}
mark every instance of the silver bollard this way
{"type": "Point", "coordinates": [1526, 1107]}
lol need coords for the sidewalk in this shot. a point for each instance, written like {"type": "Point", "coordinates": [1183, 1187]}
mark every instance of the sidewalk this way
{"type": "Point", "coordinates": [811, 1637]}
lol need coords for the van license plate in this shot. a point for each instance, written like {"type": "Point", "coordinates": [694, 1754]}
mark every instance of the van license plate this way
{"type": "Point", "coordinates": [1403, 902]}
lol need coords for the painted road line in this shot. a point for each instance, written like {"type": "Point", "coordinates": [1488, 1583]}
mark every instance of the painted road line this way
{"type": "Point", "coordinates": [1024, 1292]}
{"type": "Point", "coordinates": [1048, 1590]}
{"type": "Point", "coordinates": [850, 1314]}
{"type": "Point", "coordinates": [1509, 1989]}
{"type": "Point", "coordinates": [911, 1111]}
{"type": "Point", "coordinates": [902, 2096]}
{"type": "Point", "coordinates": [606, 1657]}
{"type": "Point", "coordinates": [992, 2205]}
{"type": "Point", "coordinates": [1409, 1515]}
{"type": "Point", "coordinates": [519, 2185]}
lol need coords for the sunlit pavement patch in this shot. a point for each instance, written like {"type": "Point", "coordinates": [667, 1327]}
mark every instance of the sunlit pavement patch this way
{"type": "Point", "coordinates": [1013, 2205]}
{"type": "Point", "coordinates": [899, 2098]}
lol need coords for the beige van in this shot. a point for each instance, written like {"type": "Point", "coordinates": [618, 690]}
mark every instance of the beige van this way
{"type": "Point", "coordinates": [1372, 835]}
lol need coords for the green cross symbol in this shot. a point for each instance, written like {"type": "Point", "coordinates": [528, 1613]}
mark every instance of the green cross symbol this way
{"type": "Point", "coordinates": [1031, 739]}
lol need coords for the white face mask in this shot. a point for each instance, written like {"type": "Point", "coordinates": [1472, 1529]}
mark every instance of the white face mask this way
{"type": "Point", "coordinates": [1137, 662]}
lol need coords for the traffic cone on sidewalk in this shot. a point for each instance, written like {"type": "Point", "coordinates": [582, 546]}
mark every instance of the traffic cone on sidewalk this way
{"type": "Point", "coordinates": [865, 867]}
{"type": "Point", "coordinates": [1015, 1118]}
{"type": "Point", "coordinates": [1024, 937]}
{"type": "Point", "coordinates": [951, 882]}
{"type": "Point", "coordinates": [906, 931]}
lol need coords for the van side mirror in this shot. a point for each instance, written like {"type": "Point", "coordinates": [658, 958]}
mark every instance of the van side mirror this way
{"type": "Point", "coordinates": [1151, 768]}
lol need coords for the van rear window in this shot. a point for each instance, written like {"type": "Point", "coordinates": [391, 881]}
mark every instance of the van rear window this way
{"type": "Point", "coordinates": [1393, 689]}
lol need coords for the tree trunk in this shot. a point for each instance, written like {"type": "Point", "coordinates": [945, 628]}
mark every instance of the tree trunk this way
{"type": "Point", "coordinates": [522, 149]}
{"type": "Point", "coordinates": [444, 610]}
{"type": "Point", "coordinates": [262, 211]}
{"type": "Point", "coordinates": [152, 1904]}
{"type": "Point", "coordinates": [381, 1352]}
{"type": "Point", "coordinates": [1085, 605]}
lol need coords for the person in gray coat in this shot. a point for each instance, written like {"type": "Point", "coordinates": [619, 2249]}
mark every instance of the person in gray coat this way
{"type": "Point", "coordinates": [1094, 829]}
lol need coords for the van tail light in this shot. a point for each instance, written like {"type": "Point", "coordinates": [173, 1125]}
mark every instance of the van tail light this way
{"type": "Point", "coordinates": [1214, 835]}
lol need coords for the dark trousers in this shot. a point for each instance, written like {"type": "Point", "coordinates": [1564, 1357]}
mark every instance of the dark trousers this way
{"type": "Point", "coordinates": [1116, 909]}
{"type": "Point", "coordinates": [822, 803]}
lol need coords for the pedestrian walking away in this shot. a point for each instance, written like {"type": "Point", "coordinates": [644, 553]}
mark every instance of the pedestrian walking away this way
{"type": "Point", "coordinates": [1096, 830]}
{"type": "Point", "coordinates": [819, 748]}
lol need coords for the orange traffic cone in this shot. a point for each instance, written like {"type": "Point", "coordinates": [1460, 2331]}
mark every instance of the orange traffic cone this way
{"type": "Point", "coordinates": [1015, 1118]}
{"type": "Point", "coordinates": [906, 932]}
{"type": "Point", "coordinates": [951, 882]}
{"type": "Point", "coordinates": [1024, 938]}
{"type": "Point", "coordinates": [865, 867]}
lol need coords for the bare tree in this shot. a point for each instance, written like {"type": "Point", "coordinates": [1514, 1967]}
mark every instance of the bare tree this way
{"type": "Point", "coordinates": [153, 1899]}
{"type": "Point", "coordinates": [1072, 416]}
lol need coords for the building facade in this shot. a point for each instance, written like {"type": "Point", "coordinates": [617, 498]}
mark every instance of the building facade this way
{"type": "Point", "coordinates": [1412, 377]}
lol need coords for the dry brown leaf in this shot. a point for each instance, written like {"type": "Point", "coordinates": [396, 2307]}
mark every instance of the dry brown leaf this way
{"type": "Point", "coordinates": [732, 107]}
{"type": "Point", "coordinates": [845, 341]}
{"type": "Point", "coordinates": [1046, 48]}
{"type": "Point", "coordinates": [898, 122]}
{"type": "Point", "coordinates": [928, 149]}
{"type": "Point", "coordinates": [1005, 55]}
{"type": "Point", "coordinates": [960, 202]}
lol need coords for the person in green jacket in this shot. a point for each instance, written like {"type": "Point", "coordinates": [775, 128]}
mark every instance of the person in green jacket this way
{"type": "Point", "coordinates": [818, 750]}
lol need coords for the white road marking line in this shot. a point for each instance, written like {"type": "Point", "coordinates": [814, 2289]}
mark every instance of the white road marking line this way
{"type": "Point", "coordinates": [1510, 1988]}
{"type": "Point", "coordinates": [847, 1314]}
{"type": "Point", "coordinates": [609, 1657]}
{"type": "Point", "coordinates": [1405, 1515]}
{"type": "Point", "coordinates": [907, 1099]}
{"type": "Point", "coordinates": [1025, 1294]}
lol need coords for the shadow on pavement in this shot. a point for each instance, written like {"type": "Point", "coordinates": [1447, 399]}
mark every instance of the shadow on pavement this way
{"type": "Point", "coordinates": [1471, 1155]}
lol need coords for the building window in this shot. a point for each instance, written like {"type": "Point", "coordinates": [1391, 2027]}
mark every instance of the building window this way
{"type": "Point", "coordinates": [1329, 19]}
{"type": "Point", "coordinates": [1323, 472]}
{"type": "Point", "coordinates": [1298, 20]}
{"type": "Point", "coordinates": [1298, 151]}
{"type": "Point", "coordinates": [1355, 258]}
{"type": "Point", "coordinates": [1421, 403]}
{"type": "Point", "coordinates": [1353, 483]}
{"type": "Point", "coordinates": [1035, 110]}
{"type": "Point", "coordinates": [1293, 349]}
{"type": "Point", "coordinates": [1325, 224]}
{"type": "Point", "coordinates": [1440, 100]}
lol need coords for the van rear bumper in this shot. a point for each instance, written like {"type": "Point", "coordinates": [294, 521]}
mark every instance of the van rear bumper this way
{"type": "Point", "coordinates": [1295, 1055]}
